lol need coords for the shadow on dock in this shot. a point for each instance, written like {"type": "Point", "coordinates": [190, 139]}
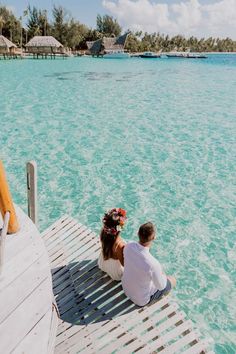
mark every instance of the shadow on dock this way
{"type": "Point", "coordinates": [85, 294]}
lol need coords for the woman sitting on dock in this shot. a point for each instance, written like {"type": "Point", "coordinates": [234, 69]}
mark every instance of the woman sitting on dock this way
{"type": "Point", "coordinates": [111, 259]}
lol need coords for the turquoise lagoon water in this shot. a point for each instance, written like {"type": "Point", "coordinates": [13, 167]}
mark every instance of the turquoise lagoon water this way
{"type": "Point", "coordinates": [156, 137]}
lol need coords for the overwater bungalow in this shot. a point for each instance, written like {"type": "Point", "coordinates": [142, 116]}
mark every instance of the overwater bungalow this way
{"type": "Point", "coordinates": [45, 46]}
{"type": "Point", "coordinates": [105, 45]}
{"type": "Point", "coordinates": [54, 298]}
{"type": "Point", "coordinates": [7, 48]}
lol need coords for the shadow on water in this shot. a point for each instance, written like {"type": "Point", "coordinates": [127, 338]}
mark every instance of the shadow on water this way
{"type": "Point", "coordinates": [85, 294]}
{"type": "Point", "coordinates": [93, 75]}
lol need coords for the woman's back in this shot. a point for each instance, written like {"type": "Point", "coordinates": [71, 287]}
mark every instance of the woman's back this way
{"type": "Point", "coordinates": [111, 259]}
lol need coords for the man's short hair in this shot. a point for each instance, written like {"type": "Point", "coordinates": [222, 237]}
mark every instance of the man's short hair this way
{"type": "Point", "coordinates": [146, 232]}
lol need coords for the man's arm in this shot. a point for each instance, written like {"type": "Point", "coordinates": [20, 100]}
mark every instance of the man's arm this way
{"type": "Point", "coordinates": [158, 276]}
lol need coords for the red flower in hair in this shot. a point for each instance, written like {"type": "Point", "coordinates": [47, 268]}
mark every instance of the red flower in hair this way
{"type": "Point", "coordinates": [118, 215]}
{"type": "Point", "coordinates": [122, 212]}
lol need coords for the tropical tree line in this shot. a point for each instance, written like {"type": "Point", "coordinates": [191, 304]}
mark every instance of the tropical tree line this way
{"type": "Point", "coordinates": [73, 34]}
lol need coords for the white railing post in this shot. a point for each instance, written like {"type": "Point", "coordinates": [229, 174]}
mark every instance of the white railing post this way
{"type": "Point", "coordinates": [3, 234]}
{"type": "Point", "coordinates": [32, 192]}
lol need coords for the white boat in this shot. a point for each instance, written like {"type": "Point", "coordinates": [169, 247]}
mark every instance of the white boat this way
{"type": "Point", "coordinates": [116, 54]}
{"type": "Point", "coordinates": [175, 55]}
{"type": "Point", "coordinates": [186, 55]}
{"type": "Point", "coordinates": [150, 55]}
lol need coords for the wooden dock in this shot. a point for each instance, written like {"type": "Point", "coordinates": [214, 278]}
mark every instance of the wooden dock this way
{"type": "Point", "coordinates": [85, 312]}
{"type": "Point", "coordinates": [95, 314]}
{"type": "Point", "coordinates": [27, 318]}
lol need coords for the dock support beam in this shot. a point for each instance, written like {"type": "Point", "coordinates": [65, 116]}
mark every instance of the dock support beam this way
{"type": "Point", "coordinates": [32, 191]}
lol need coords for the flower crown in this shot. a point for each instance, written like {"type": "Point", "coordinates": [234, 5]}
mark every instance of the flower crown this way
{"type": "Point", "coordinates": [118, 215]}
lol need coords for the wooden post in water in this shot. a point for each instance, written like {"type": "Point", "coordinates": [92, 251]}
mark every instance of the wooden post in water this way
{"type": "Point", "coordinates": [6, 203]}
{"type": "Point", "coordinates": [32, 192]}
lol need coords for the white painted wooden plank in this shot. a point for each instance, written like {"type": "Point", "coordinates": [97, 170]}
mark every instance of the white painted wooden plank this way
{"type": "Point", "coordinates": [53, 330]}
{"type": "Point", "coordinates": [80, 245]}
{"type": "Point", "coordinates": [57, 253]}
{"type": "Point", "coordinates": [139, 326]}
{"type": "Point", "coordinates": [45, 232]}
{"type": "Point", "coordinates": [59, 261]}
{"type": "Point", "coordinates": [3, 233]}
{"type": "Point", "coordinates": [57, 225]}
{"type": "Point", "coordinates": [66, 330]}
{"type": "Point", "coordinates": [90, 255]}
{"type": "Point", "coordinates": [80, 237]}
{"type": "Point", "coordinates": [19, 264]}
{"type": "Point", "coordinates": [83, 259]}
{"type": "Point", "coordinates": [36, 341]}
{"type": "Point", "coordinates": [149, 312]}
{"type": "Point", "coordinates": [176, 332]}
{"type": "Point", "coordinates": [17, 243]}
{"type": "Point", "coordinates": [61, 234]}
{"type": "Point", "coordinates": [132, 317]}
{"type": "Point", "coordinates": [188, 338]}
{"type": "Point", "coordinates": [25, 223]}
{"type": "Point", "coordinates": [93, 347]}
{"type": "Point", "coordinates": [65, 234]}
{"type": "Point", "coordinates": [27, 235]}
{"type": "Point", "coordinates": [77, 341]}
{"type": "Point", "coordinates": [198, 348]}
{"type": "Point", "coordinates": [157, 330]}
{"type": "Point", "coordinates": [24, 318]}
{"type": "Point", "coordinates": [13, 295]}
{"type": "Point", "coordinates": [80, 233]}
{"type": "Point", "coordinates": [73, 345]}
{"type": "Point", "coordinates": [111, 341]}
{"type": "Point", "coordinates": [167, 324]}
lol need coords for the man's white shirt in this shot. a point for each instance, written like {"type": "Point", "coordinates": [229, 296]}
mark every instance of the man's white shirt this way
{"type": "Point", "coordinates": [143, 274]}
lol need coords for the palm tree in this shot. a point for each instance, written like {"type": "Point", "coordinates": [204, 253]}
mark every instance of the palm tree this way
{"type": "Point", "coordinates": [2, 22]}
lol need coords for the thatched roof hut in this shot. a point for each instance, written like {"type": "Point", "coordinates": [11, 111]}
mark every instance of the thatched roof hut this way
{"type": "Point", "coordinates": [6, 46]}
{"type": "Point", "coordinates": [44, 45]}
{"type": "Point", "coordinates": [100, 46]}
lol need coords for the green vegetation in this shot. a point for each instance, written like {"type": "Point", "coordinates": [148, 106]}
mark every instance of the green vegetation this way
{"type": "Point", "coordinates": [108, 26]}
{"type": "Point", "coordinates": [73, 34]}
{"type": "Point", "coordinates": [139, 42]}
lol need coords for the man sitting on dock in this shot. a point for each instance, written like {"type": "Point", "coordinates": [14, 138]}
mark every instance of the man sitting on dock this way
{"type": "Point", "coordinates": [143, 280]}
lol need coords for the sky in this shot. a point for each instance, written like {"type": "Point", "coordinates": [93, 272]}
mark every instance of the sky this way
{"type": "Point", "coordinates": [201, 18]}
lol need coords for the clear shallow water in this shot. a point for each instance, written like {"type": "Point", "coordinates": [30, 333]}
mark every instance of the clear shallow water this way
{"type": "Point", "coordinates": [156, 137]}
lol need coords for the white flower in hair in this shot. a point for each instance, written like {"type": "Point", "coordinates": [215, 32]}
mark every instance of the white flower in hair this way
{"type": "Point", "coordinates": [118, 228]}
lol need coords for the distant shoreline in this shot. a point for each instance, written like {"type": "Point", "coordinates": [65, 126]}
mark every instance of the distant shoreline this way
{"type": "Point", "coordinates": [220, 53]}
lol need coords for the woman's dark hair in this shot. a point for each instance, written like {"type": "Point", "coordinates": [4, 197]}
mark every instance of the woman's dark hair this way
{"type": "Point", "coordinates": [146, 232]}
{"type": "Point", "coordinates": [107, 241]}
{"type": "Point", "coordinates": [108, 236]}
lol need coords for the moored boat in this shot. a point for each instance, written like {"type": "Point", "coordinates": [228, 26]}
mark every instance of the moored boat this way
{"type": "Point", "coordinates": [186, 55]}
{"type": "Point", "coordinates": [195, 56]}
{"type": "Point", "coordinates": [149, 55]}
{"type": "Point", "coordinates": [116, 54]}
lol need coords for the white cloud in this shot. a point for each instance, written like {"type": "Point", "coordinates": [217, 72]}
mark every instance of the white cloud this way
{"type": "Point", "coordinates": [190, 17]}
{"type": "Point", "coordinates": [11, 8]}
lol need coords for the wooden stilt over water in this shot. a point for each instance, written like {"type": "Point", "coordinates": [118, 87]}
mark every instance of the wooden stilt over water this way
{"type": "Point", "coordinates": [54, 299]}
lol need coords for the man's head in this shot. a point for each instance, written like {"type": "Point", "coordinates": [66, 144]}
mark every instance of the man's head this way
{"type": "Point", "coordinates": [146, 233]}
